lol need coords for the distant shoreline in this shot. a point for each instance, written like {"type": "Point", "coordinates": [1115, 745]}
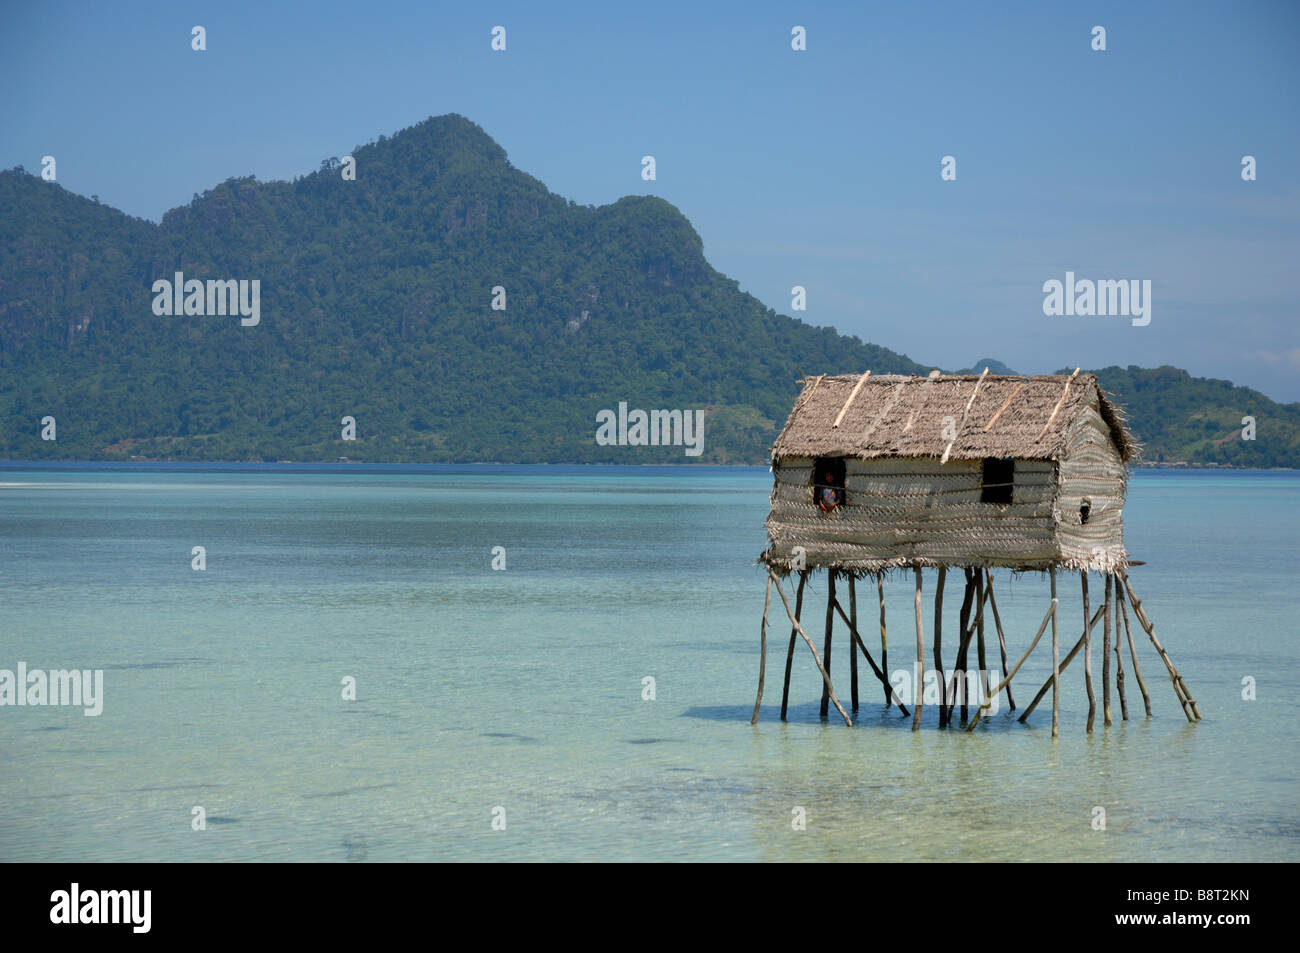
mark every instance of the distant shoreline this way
{"type": "Point", "coordinates": [165, 466]}
{"type": "Point", "coordinates": [181, 466]}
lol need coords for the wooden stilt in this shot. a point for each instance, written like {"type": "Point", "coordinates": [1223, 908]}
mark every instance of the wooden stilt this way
{"type": "Point", "coordinates": [1056, 659]}
{"type": "Point", "coordinates": [1006, 682]}
{"type": "Point", "coordinates": [963, 657]}
{"type": "Point", "coordinates": [918, 692]}
{"type": "Point", "coordinates": [1132, 653]}
{"type": "Point", "coordinates": [938, 642]}
{"type": "Point", "coordinates": [826, 678]}
{"type": "Point", "coordinates": [826, 648]}
{"type": "Point", "coordinates": [1119, 655]}
{"type": "Point", "coordinates": [762, 656]}
{"type": "Point", "coordinates": [957, 687]}
{"type": "Point", "coordinates": [979, 639]}
{"type": "Point", "coordinates": [1180, 687]}
{"type": "Point", "coordinates": [891, 696]}
{"type": "Point", "coordinates": [853, 652]}
{"type": "Point", "coordinates": [794, 634]}
{"type": "Point", "coordinates": [1105, 655]}
{"type": "Point", "coordinates": [884, 647]}
{"type": "Point", "coordinates": [1063, 666]}
{"type": "Point", "coordinates": [1002, 639]}
{"type": "Point", "coordinates": [963, 647]}
{"type": "Point", "coordinates": [1087, 653]}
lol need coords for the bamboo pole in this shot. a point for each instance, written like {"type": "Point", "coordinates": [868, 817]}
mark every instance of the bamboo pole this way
{"type": "Point", "coordinates": [884, 647]}
{"type": "Point", "coordinates": [845, 409]}
{"type": "Point", "coordinates": [1057, 408]}
{"type": "Point", "coordinates": [826, 649]}
{"type": "Point", "coordinates": [1063, 666]}
{"type": "Point", "coordinates": [826, 678]}
{"type": "Point", "coordinates": [979, 633]}
{"type": "Point", "coordinates": [1180, 687]}
{"type": "Point", "coordinates": [1087, 653]}
{"type": "Point", "coordinates": [966, 413]}
{"type": "Point", "coordinates": [817, 383]}
{"type": "Point", "coordinates": [962, 655]}
{"type": "Point", "coordinates": [948, 449]}
{"type": "Point", "coordinates": [762, 656]}
{"type": "Point", "coordinates": [963, 658]}
{"type": "Point", "coordinates": [1105, 656]}
{"type": "Point", "coordinates": [1175, 679]}
{"type": "Point", "coordinates": [1119, 657]}
{"type": "Point", "coordinates": [1006, 682]}
{"type": "Point", "coordinates": [1056, 658]}
{"type": "Point", "coordinates": [1005, 405]}
{"type": "Point", "coordinates": [1132, 652]}
{"type": "Point", "coordinates": [938, 642]}
{"type": "Point", "coordinates": [853, 652]}
{"type": "Point", "coordinates": [950, 689]}
{"type": "Point", "coordinates": [1002, 639]}
{"type": "Point", "coordinates": [794, 634]}
{"type": "Point", "coordinates": [891, 697]}
{"type": "Point", "coordinates": [918, 693]}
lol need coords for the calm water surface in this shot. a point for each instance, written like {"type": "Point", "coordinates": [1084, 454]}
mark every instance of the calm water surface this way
{"type": "Point", "coordinates": [522, 688]}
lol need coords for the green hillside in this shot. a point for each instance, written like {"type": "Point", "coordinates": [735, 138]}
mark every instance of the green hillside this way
{"type": "Point", "coordinates": [376, 303]}
{"type": "Point", "coordinates": [1198, 420]}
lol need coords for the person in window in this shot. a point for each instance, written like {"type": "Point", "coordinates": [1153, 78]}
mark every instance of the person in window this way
{"type": "Point", "coordinates": [829, 495]}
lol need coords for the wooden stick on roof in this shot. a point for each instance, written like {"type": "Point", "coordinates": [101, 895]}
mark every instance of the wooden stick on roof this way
{"type": "Point", "coordinates": [806, 396]}
{"type": "Point", "coordinates": [845, 409]}
{"type": "Point", "coordinates": [948, 449]}
{"type": "Point", "coordinates": [920, 399]}
{"type": "Point", "coordinates": [1057, 408]}
{"type": "Point", "coordinates": [1019, 388]}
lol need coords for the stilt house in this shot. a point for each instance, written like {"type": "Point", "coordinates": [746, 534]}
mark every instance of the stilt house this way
{"type": "Point", "coordinates": [952, 470]}
{"type": "Point", "coordinates": [964, 472]}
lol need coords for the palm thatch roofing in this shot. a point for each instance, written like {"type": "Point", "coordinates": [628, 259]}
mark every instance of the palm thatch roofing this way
{"type": "Point", "coordinates": [894, 415]}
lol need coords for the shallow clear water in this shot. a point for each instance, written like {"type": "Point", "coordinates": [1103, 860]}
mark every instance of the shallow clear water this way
{"type": "Point", "coordinates": [522, 688]}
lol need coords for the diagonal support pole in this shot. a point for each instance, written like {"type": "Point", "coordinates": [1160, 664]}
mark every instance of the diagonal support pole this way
{"type": "Point", "coordinates": [812, 648]}
{"type": "Point", "coordinates": [1006, 682]}
{"type": "Point", "coordinates": [1132, 650]}
{"type": "Point", "coordinates": [862, 647]}
{"type": "Point", "coordinates": [1180, 687]}
{"type": "Point", "coordinates": [1064, 665]}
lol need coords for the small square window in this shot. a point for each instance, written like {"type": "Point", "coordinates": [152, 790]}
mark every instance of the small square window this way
{"type": "Point", "coordinates": [997, 478]}
{"type": "Point", "coordinates": [828, 483]}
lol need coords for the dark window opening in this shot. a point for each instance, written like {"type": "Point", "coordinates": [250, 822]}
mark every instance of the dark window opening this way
{"type": "Point", "coordinates": [1084, 509]}
{"type": "Point", "coordinates": [996, 479]}
{"type": "Point", "coordinates": [828, 483]}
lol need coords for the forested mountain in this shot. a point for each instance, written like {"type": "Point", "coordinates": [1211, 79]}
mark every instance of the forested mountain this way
{"type": "Point", "coordinates": [376, 303]}
{"type": "Point", "coordinates": [1180, 418]}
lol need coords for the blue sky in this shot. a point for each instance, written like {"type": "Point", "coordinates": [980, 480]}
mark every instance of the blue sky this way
{"type": "Point", "coordinates": [817, 168]}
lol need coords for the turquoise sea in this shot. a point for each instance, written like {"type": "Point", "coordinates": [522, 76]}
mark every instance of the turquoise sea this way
{"type": "Point", "coordinates": [522, 689]}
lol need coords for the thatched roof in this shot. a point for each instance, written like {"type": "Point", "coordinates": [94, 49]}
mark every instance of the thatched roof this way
{"type": "Point", "coordinates": [898, 416]}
